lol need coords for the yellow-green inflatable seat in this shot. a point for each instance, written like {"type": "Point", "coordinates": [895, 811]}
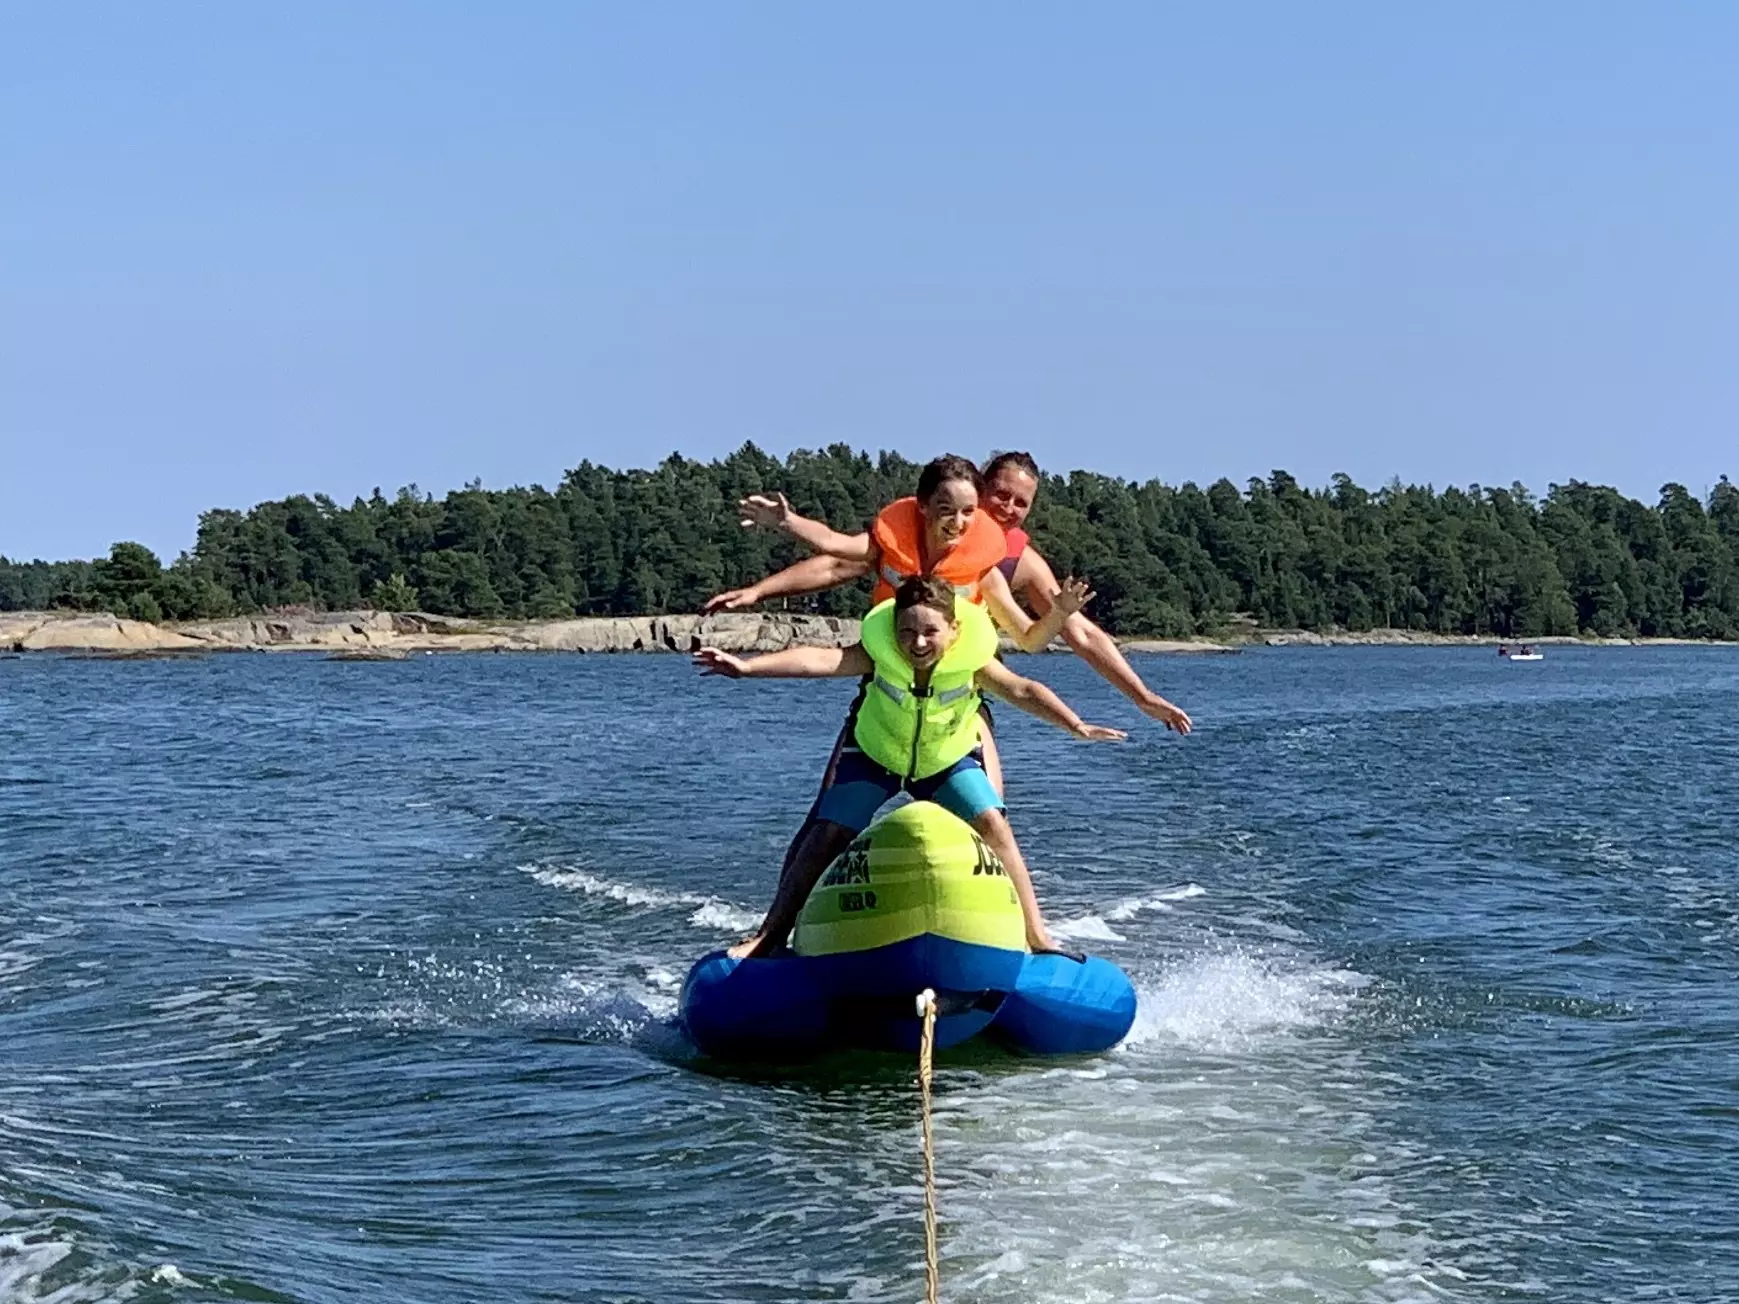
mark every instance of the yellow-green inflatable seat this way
{"type": "Point", "coordinates": [918, 871]}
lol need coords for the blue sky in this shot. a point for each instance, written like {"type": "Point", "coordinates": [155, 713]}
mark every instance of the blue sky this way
{"type": "Point", "coordinates": [252, 250]}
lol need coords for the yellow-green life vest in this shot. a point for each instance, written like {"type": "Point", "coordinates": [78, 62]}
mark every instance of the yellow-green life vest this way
{"type": "Point", "coordinates": [916, 733]}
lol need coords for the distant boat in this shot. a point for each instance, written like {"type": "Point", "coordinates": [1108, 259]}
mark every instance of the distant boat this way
{"type": "Point", "coordinates": [1522, 653]}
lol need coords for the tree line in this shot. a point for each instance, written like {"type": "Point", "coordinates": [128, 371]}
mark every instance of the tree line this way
{"type": "Point", "coordinates": [1165, 560]}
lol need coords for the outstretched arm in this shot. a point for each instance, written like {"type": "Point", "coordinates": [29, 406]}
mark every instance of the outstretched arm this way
{"type": "Point", "coordinates": [1035, 699]}
{"type": "Point", "coordinates": [774, 512]}
{"type": "Point", "coordinates": [1032, 635]}
{"type": "Point", "coordinates": [1094, 646]}
{"type": "Point", "coordinates": [811, 575]}
{"type": "Point", "coordinates": [792, 663]}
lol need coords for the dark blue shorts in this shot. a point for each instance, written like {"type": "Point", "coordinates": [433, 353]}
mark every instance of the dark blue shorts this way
{"type": "Point", "coordinates": [861, 787]}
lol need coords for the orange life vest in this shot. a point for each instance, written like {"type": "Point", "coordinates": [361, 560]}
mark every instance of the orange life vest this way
{"type": "Point", "coordinates": [1018, 539]}
{"type": "Point", "coordinates": [899, 538]}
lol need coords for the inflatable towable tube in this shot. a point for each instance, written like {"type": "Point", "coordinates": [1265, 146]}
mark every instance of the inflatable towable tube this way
{"type": "Point", "coordinates": [917, 901]}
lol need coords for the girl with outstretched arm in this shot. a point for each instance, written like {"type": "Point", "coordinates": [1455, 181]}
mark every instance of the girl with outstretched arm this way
{"type": "Point", "coordinates": [928, 658]}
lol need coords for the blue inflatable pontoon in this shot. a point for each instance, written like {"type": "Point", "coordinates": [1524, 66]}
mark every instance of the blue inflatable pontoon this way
{"type": "Point", "coordinates": [916, 902]}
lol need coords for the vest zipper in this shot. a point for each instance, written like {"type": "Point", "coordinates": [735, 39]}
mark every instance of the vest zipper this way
{"type": "Point", "coordinates": [917, 732]}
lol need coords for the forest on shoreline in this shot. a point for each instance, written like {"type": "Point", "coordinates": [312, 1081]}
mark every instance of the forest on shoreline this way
{"type": "Point", "coordinates": [1166, 560]}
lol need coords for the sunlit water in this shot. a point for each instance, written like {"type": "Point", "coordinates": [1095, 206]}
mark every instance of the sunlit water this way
{"type": "Point", "coordinates": [331, 981]}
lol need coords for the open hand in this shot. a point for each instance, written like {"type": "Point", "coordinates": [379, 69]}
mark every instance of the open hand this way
{"type": "Point", "coordinates": [731, 600]}
{"type": "Point", "coordinates": [1073, 595]}
{"type": "Point", "coordinates": [710, 661]}
{"type": "Point", "coordinates": [1172, 717]}
{"type": "Point", "coordinates": [768, 511]}
{"type": "Point", "coordinates": [1098, 733]}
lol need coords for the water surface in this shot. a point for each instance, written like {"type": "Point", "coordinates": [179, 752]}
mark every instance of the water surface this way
{"type": "Point", "coordinates": [332, 981]}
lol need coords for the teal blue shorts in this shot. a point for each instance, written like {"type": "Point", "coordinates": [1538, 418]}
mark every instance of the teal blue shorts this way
{"type": "Point", "coordinates": [861, 787]}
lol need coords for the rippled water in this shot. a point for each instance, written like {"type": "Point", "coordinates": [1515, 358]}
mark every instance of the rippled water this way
{"type": "Point", "coordinates": [334, 981]}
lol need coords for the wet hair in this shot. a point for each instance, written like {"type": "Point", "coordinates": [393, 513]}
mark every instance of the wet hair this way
{"type": "Point", "coordinates": [1020, 461]}
{"type": "Point", "coordinates": [942, 470]}
{"type": "Point", "coordinates": [930, 591]}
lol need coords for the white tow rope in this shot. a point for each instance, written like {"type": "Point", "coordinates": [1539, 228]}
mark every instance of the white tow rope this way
{"type": "Point", "coordinates": [926, 1048]}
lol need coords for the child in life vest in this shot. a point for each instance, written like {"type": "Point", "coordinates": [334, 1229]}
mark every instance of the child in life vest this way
{"type": "Point", "coordinates": [929, 657]}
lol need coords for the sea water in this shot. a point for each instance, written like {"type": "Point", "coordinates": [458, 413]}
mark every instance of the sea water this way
{"type": "Point", "coordinates": [326, 981]}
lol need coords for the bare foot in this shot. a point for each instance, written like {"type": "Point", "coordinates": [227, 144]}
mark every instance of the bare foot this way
{"type": "Point", "coordinates": [745, 948]}
{"type": "Point", "coordinates": [1051, 946]}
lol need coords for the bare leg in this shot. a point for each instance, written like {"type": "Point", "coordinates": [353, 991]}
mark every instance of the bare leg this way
{"type": "Point", "coordinates": [822, 841]}
{"type": "Point", "coordinates": [993, 827]}
{"type": "Point", "coordinates": [992, 757]}
{"type": "Point", "coordinates": [797, 838]}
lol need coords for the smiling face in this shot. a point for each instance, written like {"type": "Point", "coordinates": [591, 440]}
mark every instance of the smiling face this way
{"type": "Point", "coordinates": [947, 513]}
{"type": "Point", "coordinates": [1008, 497]}
{"type": "Point", "coordinates": [924, 634]}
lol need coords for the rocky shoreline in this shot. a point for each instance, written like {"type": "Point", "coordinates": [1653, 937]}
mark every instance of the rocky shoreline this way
{"type": "Point", "coordinates": [378, 635]}
{"type": "Point", "coordinates": [1416, 638]}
